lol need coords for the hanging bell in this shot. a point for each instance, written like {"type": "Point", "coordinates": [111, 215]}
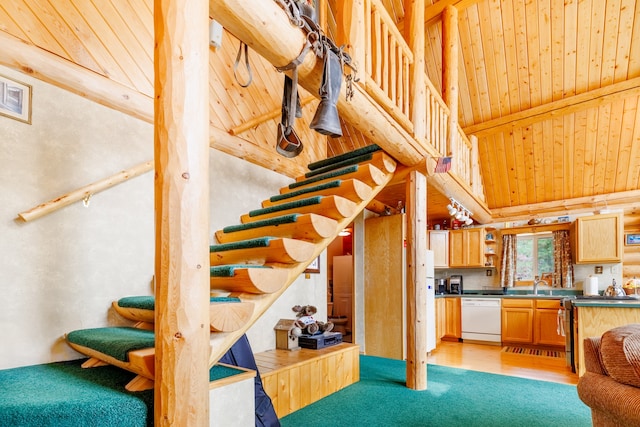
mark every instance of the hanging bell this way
{"type": "Point", "coordinates": [326, 120]}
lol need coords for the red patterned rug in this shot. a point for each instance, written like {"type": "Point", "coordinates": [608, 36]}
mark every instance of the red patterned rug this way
{"type": "Point", "coordinates": [533, 351]}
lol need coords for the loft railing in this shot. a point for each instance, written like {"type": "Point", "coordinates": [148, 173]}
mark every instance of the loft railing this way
{"type": "Point", "coordinates": [387, 79]}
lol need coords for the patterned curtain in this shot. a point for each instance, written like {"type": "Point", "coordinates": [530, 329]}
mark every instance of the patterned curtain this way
{"type": "Point", "coordinates": [563, 268]}
{"type": "Point", "coordinates": [508, 263]}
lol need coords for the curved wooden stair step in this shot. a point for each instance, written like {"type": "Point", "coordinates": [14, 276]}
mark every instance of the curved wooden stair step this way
{"type": "Point", "coordinates": [225, 314]}
{"type": "Point", "coordinates": [266, 250]}
{"type": "Point", "coordinates": [250, 279]}
{"type": "Point", "coordinates": [366, 173]}
{"type": "Point", "coordinates": [379, 159]}
{"type": "Point", "coordinates": [130, 349]}
{"type": "Point", "coordinates": [344, 156]}
{"type": "Point", "coordinates": [310, 227]}
{"type": "Point", "coordinates": [334, 207]}
{"type": "Point", "coordinates": [350, 189]}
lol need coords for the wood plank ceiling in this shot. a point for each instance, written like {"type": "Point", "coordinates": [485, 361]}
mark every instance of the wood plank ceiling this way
{"type": "Point", "coordinates": [550, 87]}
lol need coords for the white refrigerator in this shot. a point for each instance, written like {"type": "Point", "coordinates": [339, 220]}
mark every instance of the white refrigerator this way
{"type": "Point", "coordinates": [431, 303]}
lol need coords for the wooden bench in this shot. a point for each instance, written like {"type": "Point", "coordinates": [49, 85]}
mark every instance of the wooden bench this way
{"type": "Point", "coordinates": [295, 379]}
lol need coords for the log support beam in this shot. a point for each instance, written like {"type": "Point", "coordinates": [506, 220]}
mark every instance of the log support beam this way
{"type": "Point", "coordinates": [416, 282]}
{"type": "Point", "coordinates": [450, 48]}
{"type": "Point", "coordinates": [181, 149]}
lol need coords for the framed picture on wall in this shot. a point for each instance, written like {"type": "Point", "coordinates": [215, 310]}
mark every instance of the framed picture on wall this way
{"type": "Point", "coordinates": [314, 267]}
{"type": "Point", "coordinates": [632, 239]}
{"type": "Point", "coordinates": [15, 99]}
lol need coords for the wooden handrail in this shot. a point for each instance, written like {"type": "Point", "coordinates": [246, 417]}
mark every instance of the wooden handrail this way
{"type": "Point", "coordinates": [85, 192]}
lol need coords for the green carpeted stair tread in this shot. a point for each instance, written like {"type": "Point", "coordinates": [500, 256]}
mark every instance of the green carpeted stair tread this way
{"type": "Point", "coordinates": [339, 158]}
{"type": "Point", "coordinates": [329, 175]}
{"type": "Point", "coordinates": [339, 165]}
{"type": "Point", "coordinates": [148, 302]}
{"type": "Point", "coordinates": [323, 186]}
{"type": "Point", "coordinates": [116, 342]}
{"type": "Point", "coordinates": [230, 269]}
{"type": "Point", "coordinates": [309, 227]}
{"type": "Point", "coordinates": [261, 242]}
{"type": "Point", "coordinates": [279, 220]}
{"type": "Point", "coordinates": [315, 200]}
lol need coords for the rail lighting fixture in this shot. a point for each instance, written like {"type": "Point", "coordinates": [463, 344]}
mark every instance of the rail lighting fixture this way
{"type": "Point", "coordinates": [344, 233]}
{"type": "Point", "coordinates": [459, 212]}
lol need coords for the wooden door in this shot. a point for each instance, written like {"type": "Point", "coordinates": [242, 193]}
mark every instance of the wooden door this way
{"type": "Point", "coordinates": [546, 328]}
{"type": "Point", "coordinates": [474, 242]}
{"type": "Point", "coordinates": [597, 238]}
{"type": "Point", "coordinates": [384, 287]}
{"type": "Point", "coordinates": [453, 319]}
{"type": "Point", "coordinates": [456, 249]}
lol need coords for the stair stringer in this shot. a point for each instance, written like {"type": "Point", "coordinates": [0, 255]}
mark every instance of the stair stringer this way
{"type": "Point", "coordinates": [221, 342]}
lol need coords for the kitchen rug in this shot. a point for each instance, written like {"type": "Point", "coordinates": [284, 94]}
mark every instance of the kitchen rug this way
{"type": "Point", "coordinates": [534, 351]}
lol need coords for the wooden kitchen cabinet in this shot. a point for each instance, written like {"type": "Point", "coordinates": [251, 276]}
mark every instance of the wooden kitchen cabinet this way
{"type": "Point", "coordinates": [453, 319]}
{"type": "Point", "coordinates": [517, 321]}
{"type": "Point", "coordinates": [439, 244]}
{"type": "Point", "coordinates": [597, 238]}
{"type": "Point", "coordinates": [467, 247]}
{"type": "Point", "coordinates": [545, 328]}
{"type": "Point", "coordinates": [441, 319]}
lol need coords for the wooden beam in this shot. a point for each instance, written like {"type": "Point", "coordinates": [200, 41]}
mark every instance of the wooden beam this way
{"type": "Point", "coordinates": [252, 21]}
{"type": "Point", "coordinates": [434, 11]}
{"type": "Point", "coordinates": [416, 281]}
{"type": "Point", "coordinates": [181, 149]}
{"type": "Point", "coordinates": [50, 68]}
{"type": "Point", "coordinates": [415, 33]}
{"type": "Point", "coordinates": [621, 200]}
{"type": "Point", "coordinates": [450, 48]}
{"type": "Point", "coordinates": [85, 192]}
{"type": "Point", "coordinates": [264, 117]}
{"type": "Point", "coordinates": [594, 98]}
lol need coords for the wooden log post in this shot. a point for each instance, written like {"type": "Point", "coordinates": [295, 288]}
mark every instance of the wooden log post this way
{"type": "Point", "coordinates": [350, 33]}
{"type": "Point", "coordinates": [450, 48]}
{"type": "Point", "coordinates": [181, 151]}
{"type": "Point", "coordinates": [416, 282]}
{"type": "Point", "coordinates": [415, 33]}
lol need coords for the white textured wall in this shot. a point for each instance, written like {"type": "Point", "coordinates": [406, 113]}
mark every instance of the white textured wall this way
{"type": "Point", "coordinates": [61, 272]}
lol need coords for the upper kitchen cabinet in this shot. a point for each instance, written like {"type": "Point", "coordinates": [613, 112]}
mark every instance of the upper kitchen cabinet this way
{"type": "Point", "coordinates": [439, 244]}
{"type": "Point", "coordinates": [467, 247]}
{"type": "Point", "coordinates": [597, 238]}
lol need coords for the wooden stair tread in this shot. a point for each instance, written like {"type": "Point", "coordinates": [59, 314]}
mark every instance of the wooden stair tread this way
{"type": "Point", "coordinates": [277, 251]}
{"type": "Point", "coordinates": [334, 207]}
{"type": "Point", "coordinates": [310, 227]}
{"type": "Point", "coordinates": [252, 280]}
{"type": "Point", "coordinates": [344, 156]}
{"type": "Point", "coordinates": [368, 174]}
{"type": "Point", "coordinates": [238, 311]}
{"type": "Point", "coordinates": [379, 159]}
{"type": "Point", "coordinates": [350, 189]}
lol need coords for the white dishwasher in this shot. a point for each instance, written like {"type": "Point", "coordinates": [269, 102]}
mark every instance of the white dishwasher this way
{"type": "Point", "coordinates": [481, 319]}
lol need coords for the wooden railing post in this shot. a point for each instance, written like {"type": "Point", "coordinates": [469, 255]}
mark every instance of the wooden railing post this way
{"type": "Point", "coordinates": [450, 47]}
{"type": "Point", "coordinates": [415, 34]}
{"type": "Point", "coordinates": [351, 32]}
{"type": "Point", "coordinates": [181, 149]}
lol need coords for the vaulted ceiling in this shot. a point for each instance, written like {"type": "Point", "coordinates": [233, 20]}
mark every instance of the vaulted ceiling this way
{"type": "Point", "coordinates": [551, 88]}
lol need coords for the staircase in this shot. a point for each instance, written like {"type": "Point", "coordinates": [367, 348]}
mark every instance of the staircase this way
{"type": "Point", "coordinates": [254, 262]}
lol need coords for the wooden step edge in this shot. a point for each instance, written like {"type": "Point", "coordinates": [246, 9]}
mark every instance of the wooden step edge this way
{"type": "Point", "coordinates": [135, 314]}
{"type": "Point", "coordinates": [384, 162]}
{"type": "Point", "coordinates": [368, 174]}
{"type": "Point", "coordinates": [252, 280]}
{"type": "Point", "coordinates": [281, 251]}
{"type": "Point", "coordinates": [309, 227]}
{"type": "Point", "coordinates": [229, 316]}
{"type": "Point", "coordinates": [350, 189]}
{"type": "Point", "coordinates": [141, 362]}
{"type": "Point", "coordinates": [334, 207]}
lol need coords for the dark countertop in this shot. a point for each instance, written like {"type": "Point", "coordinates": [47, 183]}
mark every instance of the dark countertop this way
{"type": "Point", "coordinates": [630, 302]}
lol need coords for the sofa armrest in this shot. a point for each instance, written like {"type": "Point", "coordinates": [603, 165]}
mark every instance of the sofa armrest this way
{"type": "Point", "coordinates": [592, 358]}
{"type": "Point", "coordinates": [620, 402]}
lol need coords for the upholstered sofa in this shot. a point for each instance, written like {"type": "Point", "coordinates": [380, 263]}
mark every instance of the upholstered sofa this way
{"type": "Point", "coordinates": [611, 383]}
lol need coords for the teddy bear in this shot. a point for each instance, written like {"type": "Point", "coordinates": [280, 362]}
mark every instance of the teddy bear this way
{"type": "Point", "coordinates": [305, 322]}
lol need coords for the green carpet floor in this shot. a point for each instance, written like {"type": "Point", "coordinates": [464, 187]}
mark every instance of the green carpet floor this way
{"type": "Point", "coordinates": [455, 397]}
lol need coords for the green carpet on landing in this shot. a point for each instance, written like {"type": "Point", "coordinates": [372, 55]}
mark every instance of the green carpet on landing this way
{"type": "Point", "coordinates": [455, 397]}
{"type": "Point", "coordinates": [64, 395]}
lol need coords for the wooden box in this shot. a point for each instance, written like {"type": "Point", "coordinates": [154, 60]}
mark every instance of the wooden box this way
{"type": "Point", "coordinates": [283, 340]}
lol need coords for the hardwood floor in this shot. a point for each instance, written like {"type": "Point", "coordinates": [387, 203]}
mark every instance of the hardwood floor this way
{"type": "Point", "coordinates": [491, 358]}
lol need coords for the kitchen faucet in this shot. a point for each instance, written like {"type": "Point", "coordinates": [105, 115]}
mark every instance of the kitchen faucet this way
{"type": "Point", "coordinates": [536, 282]}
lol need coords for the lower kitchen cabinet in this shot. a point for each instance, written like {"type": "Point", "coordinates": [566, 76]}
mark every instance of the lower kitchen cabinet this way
{"type": "Point", "coordinates": [546, 323]}
{"type": "Point", "coordinates": [517, 321]}
{"type": "Point", "coordinates": [452, 326]}
{"type": "Point", "coordinates": [441, 319]}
